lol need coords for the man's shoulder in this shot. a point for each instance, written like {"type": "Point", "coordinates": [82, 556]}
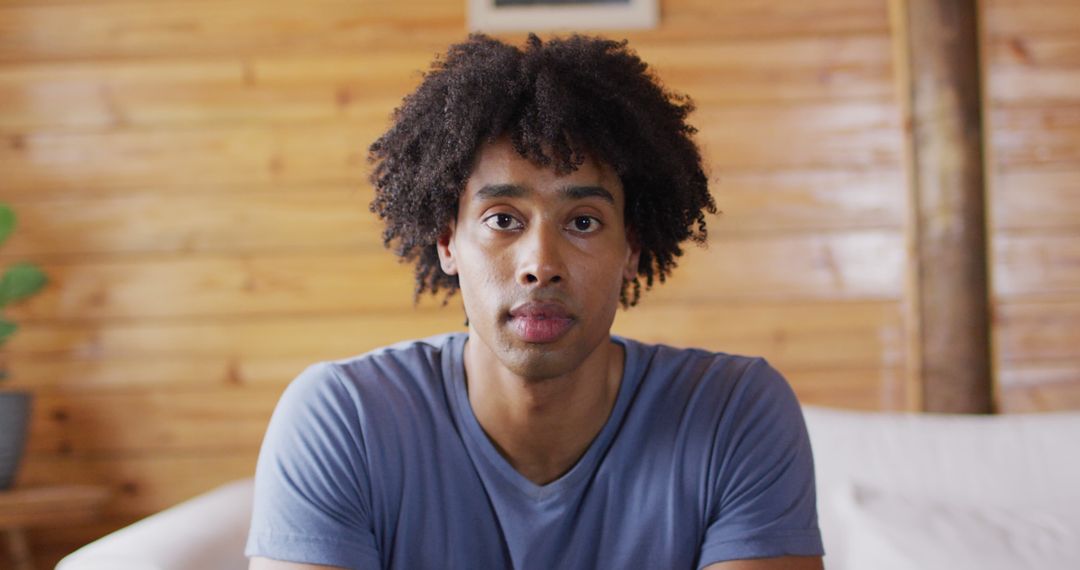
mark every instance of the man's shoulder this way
{"type": "Point", "coordinates": [701, 376]}
{"type": "Point", "coordinates": [426, 347]}
{"type": "Point", "coordinates": [684, 361]}
{"type": "Point", "coordinates": [411, 366]}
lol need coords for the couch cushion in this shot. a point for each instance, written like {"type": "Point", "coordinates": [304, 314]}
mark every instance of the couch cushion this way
{"type": "Point", "coordinates": [886, 531]}
{"type": "Point", "coordinates": [1006, 461]}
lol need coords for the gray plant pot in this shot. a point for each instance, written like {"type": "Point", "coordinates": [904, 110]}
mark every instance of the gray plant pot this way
{"type": "Point", "coordinates": [14, 421]}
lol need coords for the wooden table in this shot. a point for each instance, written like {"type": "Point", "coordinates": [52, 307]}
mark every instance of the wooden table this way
{"type": "Point", "coordinates": [22, 508]}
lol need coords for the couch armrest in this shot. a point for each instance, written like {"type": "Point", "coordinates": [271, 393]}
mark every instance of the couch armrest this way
{"type": "Point", "coordinates": [207, 532]}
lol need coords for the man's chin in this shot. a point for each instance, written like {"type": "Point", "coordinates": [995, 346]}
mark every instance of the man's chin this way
{"type": "Point", "coordinates": [539, 362]}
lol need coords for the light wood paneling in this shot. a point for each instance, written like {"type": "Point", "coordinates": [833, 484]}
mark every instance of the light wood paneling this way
{"type": "Point", "coordinates": [850, 135]}
{"type": "Point", "coordinates": [1033, 84]}
{"type": "Point", "coordinates": [1022, 17]}
{"type": "Point", "coordinates": [1037, 135]}
{"type": "Point", "coordinates": [1032, 332]}
{"type": "Point", "coordinates": [195, 420]}
{"type": "Point", "coordinates": [142, 483]}
{"type": "Point", "coordinates": [219, 91]}
{"type": "Point", "coordinates": [1040, 388]}
{"type": "Point", "coordinates": [1036, 200]}
{"type": "Point", "coordinates": [850, 265]}
{"type": "Point", "coordinates": [1041, 264]}
{"type": "Point", "coordinates": [236, 220]}
{"type": "Point", "coordinates": [107, 29]}
{"type": "Point", "coordinates": [302, 218]}
{"type": "Point", "coordinates": [265, 352]}
{"type": "Point", "coordinates": [192, 176]}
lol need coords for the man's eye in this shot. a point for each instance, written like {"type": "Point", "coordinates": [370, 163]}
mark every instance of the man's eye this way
{"type": "Point", "coordinates": [502, 222]}
{"type": "Point", "coordinates": [585, 224]}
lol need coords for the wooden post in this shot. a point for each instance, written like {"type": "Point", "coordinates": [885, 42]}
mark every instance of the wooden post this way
{"type": "Point", "coordinates": [949, 283]}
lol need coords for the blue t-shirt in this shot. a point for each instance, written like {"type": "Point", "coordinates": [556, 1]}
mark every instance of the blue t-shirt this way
{"type": "Point", "coordinates": [377, 461]}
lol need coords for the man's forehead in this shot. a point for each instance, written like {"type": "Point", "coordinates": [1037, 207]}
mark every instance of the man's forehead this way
{"type": "Point", "coordinates": [500, 171]}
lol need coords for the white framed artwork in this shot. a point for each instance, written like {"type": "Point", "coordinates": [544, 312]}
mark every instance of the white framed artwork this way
{"type": "Point", "coordinates": [549, 15]}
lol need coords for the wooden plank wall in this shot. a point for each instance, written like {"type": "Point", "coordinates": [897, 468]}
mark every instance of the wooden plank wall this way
{"type": "Point", "coordinates": [192, 176]}
{"type": "Point", "coordinates": [1033, 109]}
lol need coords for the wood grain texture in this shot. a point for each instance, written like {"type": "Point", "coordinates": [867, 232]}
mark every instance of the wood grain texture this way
{"type": "Point", "coordinates": [850, 265]}
{"type": "Point", "coordinates": [1036, 135]}
{"type": "Point", "coordinates": [54, 505]}
{"type": "Point", "coordinates": [852, 135]}
{"type": "Point", "coordinates": [267, 352]}
{"type": "Point", "coordinates": [192, 176]}
{"type": "Point", "coordinates": [1037, 265]}
{"type": "Point", "coordinates": [1042, 19]}
{"type": "Point", "coordinates": [1034, 332]}
{"type": "Point", "coordinates": [1040, 388]}
{"type": "Point", "coordinates": [109, 30]}
{"type": "Point", "coordinates": [254, 219]}
{"type": "Point", "coordinates": [951, 295]}
{"type": "Point", "coordinates": [288, 89]}
{"type": "Point", "coordinates": [1033, 55]}
{"type": "Point", "coordinates": [1035, 200]}
{"type": "Point", "coordinates": [194, 420]}
{"type": "Point", "coordinates": [141, 483]}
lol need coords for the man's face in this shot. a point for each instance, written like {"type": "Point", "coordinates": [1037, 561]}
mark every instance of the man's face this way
{"type": "Point", "coordinates": [540, 259]}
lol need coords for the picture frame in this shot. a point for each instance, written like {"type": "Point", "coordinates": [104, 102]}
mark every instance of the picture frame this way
{"type": "Point", "coordinates": [553, 15]}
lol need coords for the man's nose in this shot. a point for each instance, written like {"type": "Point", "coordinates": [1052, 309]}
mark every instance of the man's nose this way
{"type": "Point", "coordinates": [541, 257]}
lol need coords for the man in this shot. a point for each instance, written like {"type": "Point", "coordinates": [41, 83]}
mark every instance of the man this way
{"type": "Point", "coordinates": [544, 183]}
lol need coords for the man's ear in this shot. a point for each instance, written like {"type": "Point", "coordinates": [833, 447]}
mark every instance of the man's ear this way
{"type": "Point", "coordinates": [447, 250]}
{"type": "Point", "coordinates": [630, 270]}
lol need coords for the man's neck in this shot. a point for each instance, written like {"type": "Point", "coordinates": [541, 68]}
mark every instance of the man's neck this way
{"type": "Point", "coordinates": [543, 427]}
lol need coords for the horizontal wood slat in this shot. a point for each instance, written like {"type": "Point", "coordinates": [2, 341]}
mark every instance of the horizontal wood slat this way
{"type": "Point", "coordinates": [207, 421]}
{"type": "Point", "coordinates": [271, 351]}
{"type": "Point", "coordinates": [867, 389]}
{"type": "Point", "coordinates": [798, 336]}
{"type": "Point", "coordinates": [1035, 200]}
{"type": "Point", "coordinates": [850, 135]}
{"type": "Point", "coordinates": [151, 421]}
{"type": "Point", "coordinates": [1037, 135]}
{"type": "Point", "coordinates": [1023, 17]}
{"type": "Point", "coordinates": [109, 30]}
{"type": "Point", "coordinates": [1032, 52]}
{"type": "Point", "coordinates": [1033, 332]}
{"type": "Point", "coordinates": [851, 265]}
{"type": "Point", "coordinates": [142, 483]}
{"type": "Point", "coordinates": [775, 69]}
{"type": "Point", "coordinates": [337, 216]}
{"type": "Point", "coordinates": [189, 92]}
{"type": "Point", "coordinates": [43, 164]}
{"type": "Point", "coordinates": [186, 93]}
{"type": "Point", "coordinates": [294, 219]}
{"type": "Point", "coordinates": [1025, 86]}
{"type": "Point", "coordinates": [1040, 388]}
{"type": "Point", "coordinates": [1037, 265]}
{"type": "Point", "coordinates": [808, 200]}
{"type": "Point", "coordinates": [124, 29]}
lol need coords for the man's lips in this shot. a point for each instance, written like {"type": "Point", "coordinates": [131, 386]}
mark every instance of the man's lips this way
{"type": "Point", "coordinates": [540, 322]}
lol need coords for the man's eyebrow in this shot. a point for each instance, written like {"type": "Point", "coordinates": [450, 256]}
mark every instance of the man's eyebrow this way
{"type": "Point", "coordinates": [582, 192]}
{"type": "Point", "coordinates": [493, 191]}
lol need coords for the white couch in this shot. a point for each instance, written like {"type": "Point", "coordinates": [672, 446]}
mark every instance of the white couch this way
{"type": "Point", "coordinates": [895, 491]}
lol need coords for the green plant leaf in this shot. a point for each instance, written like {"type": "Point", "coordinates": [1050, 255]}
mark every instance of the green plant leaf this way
{"type": "Point", "coordinates": [7, 222]}
{"type": "Point", "coordinates": [19, 282]}
{"type": "Point", "coordinates": [7, 328]}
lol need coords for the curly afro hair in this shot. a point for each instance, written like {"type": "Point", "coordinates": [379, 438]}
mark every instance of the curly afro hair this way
{"type": "Point", "coordinates": [556, 101]}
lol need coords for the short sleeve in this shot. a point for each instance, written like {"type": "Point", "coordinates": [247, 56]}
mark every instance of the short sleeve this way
{"type": "Point", "coordinates": [764, 502]}
{"type": "Point", "coordinates": [312, 498]}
